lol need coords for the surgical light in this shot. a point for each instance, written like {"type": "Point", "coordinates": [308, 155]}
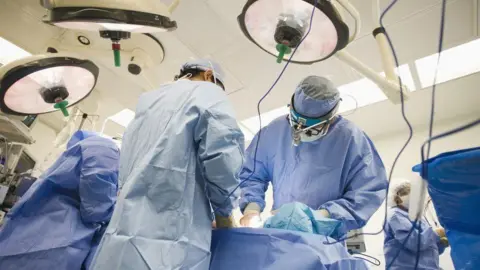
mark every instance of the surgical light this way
{"type": "Point", "coordinates": [113, 19]}
{"type": "Point", "coordinates": [43, 84]}
{"type": "Point", "coordinates": [278, 26]}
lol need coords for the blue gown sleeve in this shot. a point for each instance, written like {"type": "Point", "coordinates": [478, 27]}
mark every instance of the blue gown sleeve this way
{"type": "Point", "coordinates": [253, 190]}
{"type": "Point", "coordinates": [401, 227]}
{"type": "Point", "coordinates": [366, 188]}
{"type": "Point", "coordinates": [220, 153]}
{"type": "Point", "coordinates": [98, 182]}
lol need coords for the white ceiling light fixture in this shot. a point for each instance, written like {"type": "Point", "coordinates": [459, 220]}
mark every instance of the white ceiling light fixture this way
{"type": "Point", "coordinates": [45, 83]}
{"type": "Point", "coordinates": [10, 52]}
{"type": "Point", "coordinates": [122, 118]}
{"type": "Point", "coordinates": [279, 26]}
{"type": "Point", "coordinates": [454, 63]}
{"type": "Point", "coordinates": [114, 19]}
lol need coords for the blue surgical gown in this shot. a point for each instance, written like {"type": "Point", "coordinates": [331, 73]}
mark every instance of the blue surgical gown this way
{"type": "Point", "coordinates": [341, 172]}
{"type": "Point", "coordinates": [181, 157]}
{"type": "Point", "coordinates": [397, 228]}
{"type": "Point", "coordinates": [56, 220]}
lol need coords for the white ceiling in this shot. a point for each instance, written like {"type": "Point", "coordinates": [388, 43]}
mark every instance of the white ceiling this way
{"type": "Point", "coordinates": [208, 28]}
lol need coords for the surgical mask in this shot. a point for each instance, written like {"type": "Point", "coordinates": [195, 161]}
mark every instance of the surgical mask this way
{"type": "Point", "coordinates": [405, 201]}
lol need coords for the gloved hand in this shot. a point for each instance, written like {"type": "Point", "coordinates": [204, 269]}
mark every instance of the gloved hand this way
{"type": "Point", "coordinates": [224, 222]}
{"type": "Point", "coordinates": [251, 215]}
{"type": "Point", "coordinates": [323, 213]}
{"type": "Point", "coordinates": [441, 232]}
{"type": "Point", "coordinates": [444, 242]}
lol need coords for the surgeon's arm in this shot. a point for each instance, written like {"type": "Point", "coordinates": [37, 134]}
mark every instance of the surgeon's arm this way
{"type": "Point", "coordinates": [365, 191]}
{"type": "Point", "coordinates": [98, 183]}
{"type": "Point", "coordinates": [401, 227]}
{"type": "Point", "coordinates": [255, 176]}
{"type": "Point", "coordinates": [220, 153]}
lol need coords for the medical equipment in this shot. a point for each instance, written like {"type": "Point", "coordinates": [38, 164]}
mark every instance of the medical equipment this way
{"type": "Point", "coordinates": [113, 19]}
{"type": "Point", "coordinates": [454, 187]}
{"type": "Point", "coordinates": [278, 26]}
{"type": "Point", "coordinates": [45, 83]}
{"type": "Point", "coordinates": [356, 242]}
{"type": "Point", "coordinates": [17, 129]}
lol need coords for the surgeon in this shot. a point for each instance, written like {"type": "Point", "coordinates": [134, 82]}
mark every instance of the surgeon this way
{"type": "Point", "coordinates": [181, 158]}
{"type": "Point", "coordinates": [425, 243]}
{"type": "Point", "coordinates": [315, 157]}
{"type": "Point", "coordinates": [57, 221]}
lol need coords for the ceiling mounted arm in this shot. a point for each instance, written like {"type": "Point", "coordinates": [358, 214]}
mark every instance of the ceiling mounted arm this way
{"type": "Point", "coordinates": [388, 62]}
{"type": "Point", "coordinates": [173, 6]}
{"type": "Point", "coordinates": [390, 83]}
{"type": "Point", "coordinates": [354, 14]}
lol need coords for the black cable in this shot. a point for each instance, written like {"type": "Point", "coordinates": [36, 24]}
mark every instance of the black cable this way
{"type": "Point", "coordinates": [260, 102]}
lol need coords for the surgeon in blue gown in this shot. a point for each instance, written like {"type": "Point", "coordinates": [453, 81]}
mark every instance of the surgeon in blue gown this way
{"type": "Point", "coordinates": [315, 157]}
{"type": "Point", "coordinates": [181, 158]}
{"type": "Point", "coordinates": [58, 220]}
{"type": "Point", "coordinates": [401, 249]}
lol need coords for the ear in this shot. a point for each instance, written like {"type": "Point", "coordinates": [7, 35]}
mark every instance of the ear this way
{"type": "Point", "coordinates": [208, 76]}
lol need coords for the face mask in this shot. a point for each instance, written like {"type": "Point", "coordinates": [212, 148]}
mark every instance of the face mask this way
{"type": "Point", "coordinates": [405, 201]}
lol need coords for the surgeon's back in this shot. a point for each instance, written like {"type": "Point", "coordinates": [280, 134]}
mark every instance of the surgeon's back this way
{"type": "Point", "coordinates": [57, 221]}
{"type": "Point", "coordinates": [181, 156]}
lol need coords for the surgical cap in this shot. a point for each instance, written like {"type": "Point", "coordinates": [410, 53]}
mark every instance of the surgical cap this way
{"type": "Point", "coordinates": [401, 188]}
{"type": "Point", "coordinates": [315, 96]}
{"type": "Point", "coordinates": [204, 65]}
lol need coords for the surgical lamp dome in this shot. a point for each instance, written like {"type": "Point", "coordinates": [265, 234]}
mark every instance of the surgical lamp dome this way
{"type": "Point", "coordinates": [278, 26]}
{"type": "Point", "coordinates": [143, 16]}
{"type": "Point", "coordinates": [43, 84]}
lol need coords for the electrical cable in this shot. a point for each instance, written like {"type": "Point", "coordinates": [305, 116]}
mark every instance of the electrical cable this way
{"type": "Point", "coordinates": [375, 261]}
{"type": "Point", "coordinates": [260, 102]}
{"type": "Point", "coordinates": [432, 116]}
{"type": "Point", "coordinates": [404, 116]}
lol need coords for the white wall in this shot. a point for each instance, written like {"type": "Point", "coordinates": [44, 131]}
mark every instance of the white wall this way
{"type": "Point", "coordinates": [389, 146]}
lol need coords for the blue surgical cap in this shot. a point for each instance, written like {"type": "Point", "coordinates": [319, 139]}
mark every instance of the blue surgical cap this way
{"type": "Point", "coordinates": [204, 65]}
{"type": "Point", "coordinates": [315, 96]}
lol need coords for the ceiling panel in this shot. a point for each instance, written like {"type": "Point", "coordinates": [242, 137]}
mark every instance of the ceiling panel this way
{"type": "Point", "coordinates": [28, 31]}
{"type": "Point", "coordinates": [201, 29]}
{"type": "Point", "coordinates": [453, 99]}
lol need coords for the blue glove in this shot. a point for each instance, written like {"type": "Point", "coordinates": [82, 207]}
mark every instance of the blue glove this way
{"type": "Point", "coordinates": [299, 217]}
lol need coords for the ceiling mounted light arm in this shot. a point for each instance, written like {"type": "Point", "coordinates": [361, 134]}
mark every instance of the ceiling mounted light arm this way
{"type": "Point", "coordinates": [388, 62]}
{"type": "Point", "coordinates": [345, 4]}
{"type": "Point", "coordinates": [173, 6]}
{"type": "Point", "coordinates": [390, 88]}
{"type": "Point", "coordinates": [390, 83]}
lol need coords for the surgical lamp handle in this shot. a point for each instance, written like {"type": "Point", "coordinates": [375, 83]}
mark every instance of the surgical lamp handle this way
{"type": "Point", "coordinates": [390, 88]}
